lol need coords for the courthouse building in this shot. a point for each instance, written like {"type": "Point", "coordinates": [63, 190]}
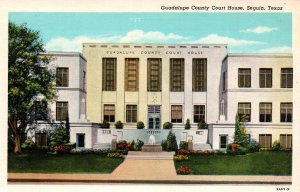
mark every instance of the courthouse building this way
{"type": "Point", "coordinates": [158, 83]}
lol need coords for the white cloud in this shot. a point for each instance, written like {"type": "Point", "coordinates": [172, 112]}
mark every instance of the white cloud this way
{"type": "Point", "coordinates": [281, 49]}
{"type": "Point", "coordinates": [259, 29]}
{"type": "Point", "coordinates": [138, 36]}
{"type": "Point", "coordinates": [217, 39]}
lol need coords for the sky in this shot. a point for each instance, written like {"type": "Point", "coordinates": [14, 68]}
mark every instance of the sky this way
{"type": "Point", "coordinates": [243, 32]}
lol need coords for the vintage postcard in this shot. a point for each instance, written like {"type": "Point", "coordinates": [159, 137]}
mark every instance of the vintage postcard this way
{"type": "Point", "coordinates": [109, 95]}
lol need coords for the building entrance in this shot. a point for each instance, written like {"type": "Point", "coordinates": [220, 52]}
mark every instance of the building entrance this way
{"type": "Point", "coordinates": [153, 117]}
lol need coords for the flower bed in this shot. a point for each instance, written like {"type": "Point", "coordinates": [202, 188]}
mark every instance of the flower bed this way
{"type": "Point", "coordinates": [183, 170]}
{"type": "Point", "coordinates": [181, 157]}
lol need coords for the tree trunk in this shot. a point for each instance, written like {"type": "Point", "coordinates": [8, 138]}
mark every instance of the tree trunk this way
{"type": "Point", "coordinates": [17, 148]}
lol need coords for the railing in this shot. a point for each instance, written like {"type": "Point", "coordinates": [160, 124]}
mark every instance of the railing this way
{"type": "Point", "coordinates": [104, 131]}
{"type": "Point", "coordinates": [153, 132]}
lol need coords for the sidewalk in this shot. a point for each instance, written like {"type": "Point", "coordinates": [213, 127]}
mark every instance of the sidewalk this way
{"type": "Point", "coordinates": [141, 167]}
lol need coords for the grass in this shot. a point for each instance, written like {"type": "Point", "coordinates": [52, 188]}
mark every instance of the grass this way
{"type": "Point", "coordinates": [43, 162]}
{"type": "Point", "coordinates": [260, 163]}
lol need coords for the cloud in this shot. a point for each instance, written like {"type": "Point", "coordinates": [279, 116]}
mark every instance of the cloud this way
{"type": "Point", "coordinates": [217, 39]}
{"type": "Point", "coordinates": [260, 29]}
{"type": "Point", "coordinates": [280, 49]}
{"type": "Point", "coordinates": [134, 36]}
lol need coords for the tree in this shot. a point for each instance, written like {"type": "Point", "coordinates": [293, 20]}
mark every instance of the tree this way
{"type": "Point", "coordinates": [28, 78]}
{"type": "Point", "coordinates": [240, 133]}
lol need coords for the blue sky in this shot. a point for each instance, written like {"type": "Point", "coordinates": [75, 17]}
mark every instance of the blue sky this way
{"type": "Point", "coordinates": [243, 32]}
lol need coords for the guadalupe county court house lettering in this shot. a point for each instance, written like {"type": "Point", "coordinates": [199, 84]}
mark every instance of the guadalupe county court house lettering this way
{"type": "Point", "coordinates": [158, 83]}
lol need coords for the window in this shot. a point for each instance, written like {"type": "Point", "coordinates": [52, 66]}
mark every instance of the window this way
{"type": "Point", "coordinates": [131, 74]}
{"type": "Point", "coordinates": [286, 112]}
{"type": "Point", "coordinates": [62, 77]}
{"type": "Point", "coordinates": [177, 75]}
{"type": "Point", "coordinates": [265, 140]}
{"type": "Point", "coordinates": [286, 141]}
{"type": "Point", "coordinates": [265, 112]}
{"type": "Point", "coordinates": [109, 74]}
{"type": "Point", "coordinates": [244, 109]}
{"type": "Point", "coordinates": [199, 75]}
{"type": "Point", "coordinates": [109, 113]}
{"type": "Point", "coordinates": [154, 74]}
{"type": "Point", "coordinates": [199, 113]}
{"type": "Point", "coordinates": [83, 80]}
{"type": "Point", "coordinates": [61, 111]}
{"type": "Point", "coordinates": [40, 110]}
{"type": "Point", "coordinates": [224, 81]}
{"type": "Point", "coordinates": [80, 139]}
{"type": "Point", "coordinates": [176, 113]}
{"type": "Point", "coordinates": [244, 77]}
{"type": "Point", "coordinates": [131, 113]}
{"type": "Point", "coordinates": [41, 139]}
{"type": "Point", "coordinates": [265, 78]}
{"type": "Point", "coordinates": [286, 78]}
{"type": "Point", "coordinates": [223, 141]}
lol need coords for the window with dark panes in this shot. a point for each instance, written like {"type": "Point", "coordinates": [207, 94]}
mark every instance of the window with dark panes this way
{"type": "Point", "coordinates": [109, 113]}
{"type": "Point", "coordinates": [265, 112]}
{"type": "Point", "coordinates": [80, 140]}
{"type": "Point", "coordinates": [265, 140]}
{"type": "Point", "coordinates": [62, 77]}
{"type": "Point", "coordinates": [177, 75]}
{"type": "Point", "coordinates": [224, 81]}
{"type": "Point", "coordinates": [287, 78]}
{"type": "Point", "coordinates": [131, 74]}
{"type": "Point", "coordinates": [109, 74]}
{"type": "Point", "coordinates": [244, 109]}
{"type": "Point", "coordinates": [84, 80]}
{"type": "Point", "coordinates": [199, 74]}
{"type": "Point", "coordinates": [199, 113]}
{"type": "Point", "coordinates": [41, 139]}
{"type": "Point", "coordinates": [154, 74]}
{"type": "Point", "coordinates": [131, 113]}
{"type": "Point", "coordinates": [176, 113]}
{"type": "Point", "coordinates": [244, 77]}
{"type": "Point", "coordinates": [286, 112]}
{"type": "Point", "coordinates": [223, 141]}
{"type": "Point", "coordinates": [286, 141]}
{"type": "Point", "coordinates": [265, 78]}
{"type": "Point", "coordinates": [61, 111]}
{"type": "Point", "coordinates": [40, 110]}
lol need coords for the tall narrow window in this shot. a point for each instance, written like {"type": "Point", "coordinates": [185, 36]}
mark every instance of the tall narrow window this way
{"type": "Point", "coordinates": [223, 141]}
{"type": "Point", "coordinates": [40, 110]}
{"type": "Point", "coordinates": [199, 75]}
{"type": "Point", "coordinates": [154, 74]}
{"type": "Point", "coordinates": [84, 80]}
{"type": "Point", "coordinates": [61, 111]}
{"type": "Point", "coordinates": [286, 141]}
{"type": "Point", "coordinates": [244, 109]}
{"type": "Point", "coordinates": [224, 81]}
{"type": "Point", "coordinates": [265, 78]}
{"type": "Point", "coordinates": [177, 75]}
{"type": "Point", "coordinates": [109, 113]}
{"type": "Point", "coordinates": [199, 113]}
{"type": "Point", "coordinates": [265, 112]}
{"type": "Point", "coordinates": [131, 113]}
{"type": "Point", "coordinates": [176, 113]}
{"type": "Point", "coordinates": [109, 74]}
{"type": "Point", "coordinates": [244, 78]}
{"type": "Point", "coordinates": [286, 112]}
{"type": "Point", "coordinates": [62, 77]}
{"type": "Point", "coordinates": [265, 140]}
{"type": "Point", "coordinates": [131, 74]}
{"type": "Point", "coordinates": [286, 78]}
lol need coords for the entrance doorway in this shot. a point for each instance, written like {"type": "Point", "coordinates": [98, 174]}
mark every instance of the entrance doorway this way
{"type": "Point", "coordinates": [154, 117]}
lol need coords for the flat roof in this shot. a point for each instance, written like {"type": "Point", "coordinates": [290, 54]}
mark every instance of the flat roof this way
{"type": "Point", "coordinates": [63, 53]}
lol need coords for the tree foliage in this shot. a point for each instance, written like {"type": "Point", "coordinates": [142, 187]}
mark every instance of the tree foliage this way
{"type": "Point", "coordinates": [28, 77]}
{"type": "Point", "coordinates": [240, 133]}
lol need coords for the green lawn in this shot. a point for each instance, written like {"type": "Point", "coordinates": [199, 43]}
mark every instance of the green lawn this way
{"type": "Point", "coordinates": [260, 163]}
{"type": "Point", "coordinates": [43, 162]}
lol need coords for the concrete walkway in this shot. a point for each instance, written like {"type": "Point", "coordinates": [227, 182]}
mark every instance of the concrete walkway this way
{"type": "Point", "coordinates": [143, 167]}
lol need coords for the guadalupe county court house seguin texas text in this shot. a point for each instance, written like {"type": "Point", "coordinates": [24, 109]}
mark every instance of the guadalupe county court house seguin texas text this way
{"type": "Point", "coordinates": [158, 83]}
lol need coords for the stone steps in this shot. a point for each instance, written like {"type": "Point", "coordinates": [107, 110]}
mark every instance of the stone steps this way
{"type": "Point", "coordinates": [202, 146]}
{"type": "Point", "coordinates": [102, 146]}
{"type": "Point", "coordinates": [150, 155]}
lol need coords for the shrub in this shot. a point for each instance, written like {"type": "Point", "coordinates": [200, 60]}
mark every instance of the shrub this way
{"type": "Point", "coordinates": [164, 145]}
{"type": "Point", "coordinates": [183, 145]}
{"type": "Point", "coordinates": [253, 147]}
{"type": "Point", "coordinates": [123, 145]}
{"type": "Point", "coordinates": [167, 125]}
{"type": "Point", "coordinates": [187, 124]}
{"type": "Point", "coordinates": [59, 137]}
{"type": "Point", "coordinates": [276, 146]}
{"type": "Point", "coordinates": [119, 125]}
{"type": "Point", "coordinates": [140, 125]}
{"type": "Point", "coordinates": [60, 149]}
{"type": "Point", "coordinates": [28, 144]}
{"type": "Point", "coordinates": [241, 150]}
{"type": "Point", "coordinates": [240, 133]}
{"type": "Point", "coordinates": [139, 144]}
{"type": "Point", "coordinates": [114, 155]}
{"type": "Point", "coordinates": [181, 157]}
{"type": "Point", "coordinates": [202, 125]}
{"type": "Point", "coordinates": [105, 125]}
{"type": "Point", "coordinates": [183, 170]}
{"type": "Point", "coordinates": [171, 142]}
{"type": "Point", "coordinates": [182, 152]}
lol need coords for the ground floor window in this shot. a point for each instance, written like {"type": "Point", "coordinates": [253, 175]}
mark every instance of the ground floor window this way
{"type": "Point", "coordinates": [176, 113]}
{"type": "Point", "coordinates": [265, 140]}
{"type": "Point", "coordinates": [223, 141]}
{"type": "Point", "coordinates": [80, 139]}
{"type": "Point", "coordinates": [41, 139]}
{"type": "Point", "coordinates": [286, 141]}
{"type": "Point", "coordinates": [199, 113]}
{"type": "Point", "coordinates": [109, 113]}
{"type": "Point", "coordinates": [131, 113]}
